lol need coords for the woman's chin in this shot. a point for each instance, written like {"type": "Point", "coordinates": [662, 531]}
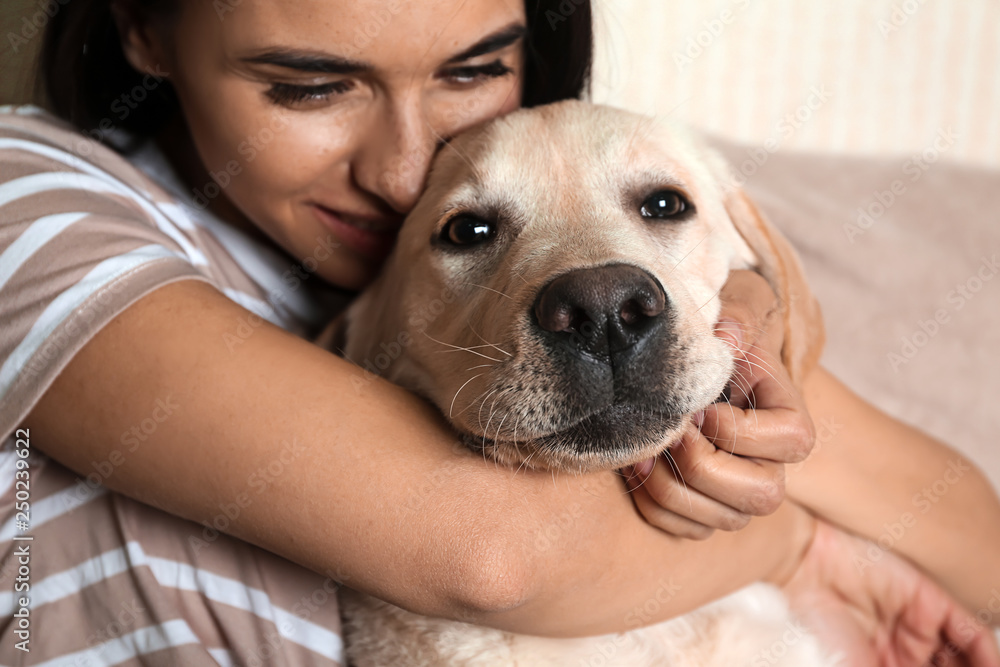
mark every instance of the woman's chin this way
{"type": "Point", "coordinates": [350, 272]}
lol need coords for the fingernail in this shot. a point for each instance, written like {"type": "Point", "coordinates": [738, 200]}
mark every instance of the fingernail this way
{"type": "Point", "coordinates": [644, 468]}
{"type": "Point", "coordinates": [730, 329]}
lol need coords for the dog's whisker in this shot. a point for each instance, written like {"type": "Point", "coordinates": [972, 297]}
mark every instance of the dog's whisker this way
{"type": "Point", "coordinates": [525, 463]}
{"type": "Point", "coordinates": [493, 409]}
{"type": "Point", "coordinates": [459, 347]}
{"type": "Point", "coordinates": [677, 475]}
{"type": "Point", "coordinates": [481, 399]}
{"type": "Point", "coordinates": [759, 358]}
{"type": "Point", "coordinates": [506, 296]}
{"type": "Point", "coordinates": [473, 330]}
{"type": "Point", "coordinates": [452, 408]}
{"type": "Point", "coordinates": [514, 442]}
{"type": "Point", "coordinates": [496, 438]}
{"type": "Point", "coordinates": [482, 405]}
{"type": "Point", "coordinates": [764, 367]}
{"type": "Point", "coordinates": [688, 253]}
{"type": "Point", "coordinates": [761, 362]}
{"type": "Point", "coordinates": [753, 327]}
{"type": "Point", "coordinates": [473, 401]}
{"type": "Point", "coordinates": [732, 411]}
{"type": "Point", "coordinates": [709, 299]}
{"type": "Point", "coordinates": [466, 349]}
{"type": "Point", "coordinates": [746, 395]}
{"type": "Point", "coordinates": [472, 368]}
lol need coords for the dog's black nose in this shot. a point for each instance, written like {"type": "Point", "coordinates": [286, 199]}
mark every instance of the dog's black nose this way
{"type": "Point", "coordinates": [601, 311]}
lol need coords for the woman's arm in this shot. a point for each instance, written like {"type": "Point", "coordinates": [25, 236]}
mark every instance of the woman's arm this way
{"type": "Point", "coordinates": [902, 489]}
{"type": "Point", "coordinates": [367, 483]}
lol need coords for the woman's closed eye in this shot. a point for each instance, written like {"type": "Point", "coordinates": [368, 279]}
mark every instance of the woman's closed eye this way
{"type": "Point", "coordinates": [291, 94]}
{"type": "Point", "coordinates": [299, 95]}
{"type": "Point", "coordinates": [465, 75]}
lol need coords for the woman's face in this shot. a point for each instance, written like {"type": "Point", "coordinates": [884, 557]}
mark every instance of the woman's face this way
{"type": "Point", "coordinates": [319, 118]}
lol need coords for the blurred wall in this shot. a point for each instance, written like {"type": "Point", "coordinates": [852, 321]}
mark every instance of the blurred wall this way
{"type": "Point", "coordinates": [864, 76]}
{"type": "Point", "coordinates": [20, 38]}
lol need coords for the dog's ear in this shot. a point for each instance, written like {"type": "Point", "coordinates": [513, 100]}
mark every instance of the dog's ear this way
{"type": "Point", "coordinates": [778, 263]}
{"type": "Point", "coordinates": [334, 336]}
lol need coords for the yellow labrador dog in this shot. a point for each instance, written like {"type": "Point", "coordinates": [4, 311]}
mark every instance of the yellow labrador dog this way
{"type": "Point", "coordinates": [576, 253]}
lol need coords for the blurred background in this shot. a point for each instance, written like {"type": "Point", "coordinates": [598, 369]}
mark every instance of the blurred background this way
{"type": "Point", "coordinates": [19, 42]}
{"type": "Point", "coordinates": [860, 76]}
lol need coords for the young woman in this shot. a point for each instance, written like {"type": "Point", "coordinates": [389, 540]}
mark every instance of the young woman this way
{"type": "Point", "coordinates": [155, 301]}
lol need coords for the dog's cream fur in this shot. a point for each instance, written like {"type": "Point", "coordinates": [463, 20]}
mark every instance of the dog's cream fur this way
{"type": "Point", "coordinates": [563, 185]}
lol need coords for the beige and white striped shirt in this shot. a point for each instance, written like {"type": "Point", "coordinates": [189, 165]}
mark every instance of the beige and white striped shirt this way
{"type": "Point", "coordinates": [84, 233]}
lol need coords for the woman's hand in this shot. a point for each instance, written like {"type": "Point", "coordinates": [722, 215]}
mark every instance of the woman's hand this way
{"type": "Point", "coordinates": [730, 463]}
{"type": "Point", "coordinates": [886, 614]}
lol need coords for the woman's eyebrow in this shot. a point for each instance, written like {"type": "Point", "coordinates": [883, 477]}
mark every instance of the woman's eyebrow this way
{"type": "Point", "coordinates": [323, 63]}
{"type": "Point", "coordinates": [498, 40]}
{"type": "Point", "coordinates": [307, 61]}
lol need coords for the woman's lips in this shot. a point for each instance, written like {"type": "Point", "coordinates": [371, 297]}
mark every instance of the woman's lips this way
{"type": "Point", "coordinates": [374, 243]}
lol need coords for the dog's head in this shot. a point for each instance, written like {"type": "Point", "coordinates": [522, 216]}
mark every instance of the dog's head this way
{"type": "Point", "coordinates": [555, 290]}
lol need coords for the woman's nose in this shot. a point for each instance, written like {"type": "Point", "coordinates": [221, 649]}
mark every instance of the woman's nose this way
{"type": "Point", "coordinates": [394, 158]}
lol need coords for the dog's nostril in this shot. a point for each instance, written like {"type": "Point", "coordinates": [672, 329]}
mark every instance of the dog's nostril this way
{"type": "Point", "coordinates": [580, 321]}
{"type": "Point", "coordinates": [630, 313]}
{"type": "Point", "coordinates": [634, 310]}
{"type": "Point", "coordinates": [556, 317]}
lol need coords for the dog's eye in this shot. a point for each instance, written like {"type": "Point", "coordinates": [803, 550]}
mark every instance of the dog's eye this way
{"type": "Point", "coordinates": [665, 205]}
{"type": "Point", "coordinates": [465, 230]}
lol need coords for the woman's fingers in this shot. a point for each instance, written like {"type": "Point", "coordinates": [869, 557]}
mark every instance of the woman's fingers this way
{"type": "Point", "coordinates": [668, 490]}
{"type": "Point", "coordinates": [666, 520]}
{"type": "Point", "coordinates": [709, 486]}
{"type": "Point", "coordinates": [965, 634]}
{"type": "Point", "coordinates": [747, 485]}
{"type": "Point", "coordinates": [887, 613]}
{"type": "Point", "coordinates": [779, 427]}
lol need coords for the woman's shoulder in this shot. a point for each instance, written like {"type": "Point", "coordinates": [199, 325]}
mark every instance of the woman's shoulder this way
{"type": "Point", "coordinates": [66, 195]}
{"type": "Point", "coordinates": [80, 197]}
{"type": "Point", "coordinates": [32, 139]}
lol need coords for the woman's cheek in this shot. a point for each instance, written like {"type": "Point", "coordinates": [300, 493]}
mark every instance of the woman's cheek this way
{"type": "Point", "coordinates": [284, 153]}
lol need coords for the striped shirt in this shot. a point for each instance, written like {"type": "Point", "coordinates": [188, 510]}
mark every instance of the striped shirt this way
{"type": "Point", "coordinates": [84, 233]}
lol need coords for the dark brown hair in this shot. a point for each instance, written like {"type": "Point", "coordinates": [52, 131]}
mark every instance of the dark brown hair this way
{"type": "Point", "coordinates": [83, 72]}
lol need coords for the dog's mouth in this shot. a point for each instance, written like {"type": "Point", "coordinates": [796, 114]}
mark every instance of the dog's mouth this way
{"type": "Point", "coordinates": [612, 437]}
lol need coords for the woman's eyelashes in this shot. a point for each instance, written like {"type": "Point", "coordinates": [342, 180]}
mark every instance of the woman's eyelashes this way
{"type": "Point", "coordinates": [473, 73]}
{"type": "Point", "coordinates": [299, 95]}
{"type": "Point", "coordinates": [290, 94]}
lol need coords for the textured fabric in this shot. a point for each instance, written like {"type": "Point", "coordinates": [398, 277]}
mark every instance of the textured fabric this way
{"type": "Point", "coordinates": [84, 234]}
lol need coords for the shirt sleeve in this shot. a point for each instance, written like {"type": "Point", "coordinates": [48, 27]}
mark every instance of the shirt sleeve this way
{"type": "Point", "coordinates": [78, 245]}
